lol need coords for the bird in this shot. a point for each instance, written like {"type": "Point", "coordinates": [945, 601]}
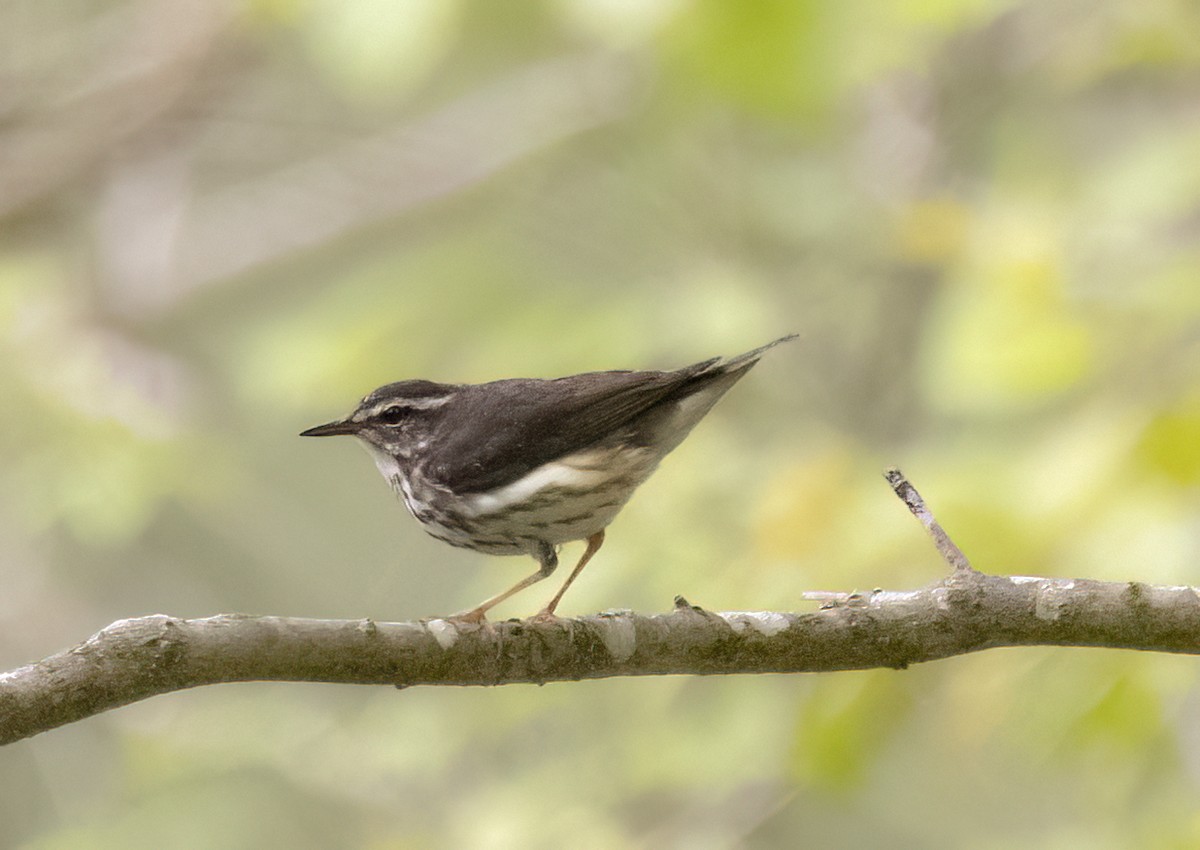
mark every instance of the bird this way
{"type": "Point", "coordinates": [521, 466]}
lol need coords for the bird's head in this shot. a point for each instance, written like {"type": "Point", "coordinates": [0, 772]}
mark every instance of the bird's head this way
{"type": "Point", "coordinates": [395, 419]}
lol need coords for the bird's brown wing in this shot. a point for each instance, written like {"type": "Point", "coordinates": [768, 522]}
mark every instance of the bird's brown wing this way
{"type": "Point", "coordinates": [529, 422]}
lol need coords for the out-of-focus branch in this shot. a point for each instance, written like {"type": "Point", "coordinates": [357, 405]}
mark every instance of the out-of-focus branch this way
{"type": "Point", "coordinates": [145, 87]}
{"type": "Point", "coordinates": [118, 89]}
{"type": "Point", "coordinates": [227, 232]}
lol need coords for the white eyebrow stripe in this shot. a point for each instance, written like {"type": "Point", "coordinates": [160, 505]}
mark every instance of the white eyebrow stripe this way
{"type": "Point", "coordinates": [427, 403]}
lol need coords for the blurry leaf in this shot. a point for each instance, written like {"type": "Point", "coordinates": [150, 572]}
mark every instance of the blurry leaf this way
{"type": "Point", "coordinates": [377, 48]}
{"type": "Point", "coordinates": [1171, 443]}
{"type": "Point", "coordinates": [1008, 341]}
{"type": "Point", "coordinates": [770, 56]}
{"type": "Point", "coordinates": [845, 726]}
{"type": "Point", "coordinates": [1128, 719]}
{"type": "Point", "coordinates": [100, 482]}
{"type": "Point", "coordinates": [94, 450]}
{"type": "Point", "coordinates": [620, 23]}
{"type": "Point", "coordinates": [933, 231]}
{"type": "Point", "coordinates": [943, 12]}
{"type": "Point", "coordinates": [274, 12]}
{"type": "Point", "coordinates": [800, 504]}
{"type": "Point", "coordinates": [1167, 38]}
{"type": "Point", "coordinates": [240, 811]}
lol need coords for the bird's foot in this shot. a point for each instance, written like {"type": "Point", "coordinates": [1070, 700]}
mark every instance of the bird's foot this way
{"type": "Point", "coordinates": [545, 616]}
{"type": "Point", "coordinates": [475, 616]}
{"type": "Point", "coordinates": [471, 619]}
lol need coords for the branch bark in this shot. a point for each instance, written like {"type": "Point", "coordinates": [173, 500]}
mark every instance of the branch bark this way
{"type": "Point", "coordinates": [965, 612]}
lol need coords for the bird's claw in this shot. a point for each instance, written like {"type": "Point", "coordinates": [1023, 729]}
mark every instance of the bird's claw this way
{"type": "Point", "coordinates": [544, 617]}
{"type": "Point", "coordinates": [471, 620]}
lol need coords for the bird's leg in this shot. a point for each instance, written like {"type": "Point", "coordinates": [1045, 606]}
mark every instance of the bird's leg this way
{"type": "Point", "coordinates": [549, 561]}
{"type": "Point", "coordinates": [593, 546]}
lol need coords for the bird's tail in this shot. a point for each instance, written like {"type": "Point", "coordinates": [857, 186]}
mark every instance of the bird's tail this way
{"type": "Point", "coordinates": [741, 362]}
{"type": "Point", "coordinates": [702, 387]}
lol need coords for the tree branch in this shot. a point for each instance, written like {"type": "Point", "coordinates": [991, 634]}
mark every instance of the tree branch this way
{"type": "Point", "coordinates": [965, 612]}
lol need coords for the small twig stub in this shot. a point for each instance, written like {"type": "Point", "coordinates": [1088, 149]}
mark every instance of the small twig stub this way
{"type": "Point", "coordinates": [909, 495]}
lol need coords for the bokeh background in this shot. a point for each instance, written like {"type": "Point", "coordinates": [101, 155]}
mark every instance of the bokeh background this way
{"type": "Point", "coordinates": [222, 222]}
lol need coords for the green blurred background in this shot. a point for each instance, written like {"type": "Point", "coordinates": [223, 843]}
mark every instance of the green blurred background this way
{"type": "Point", "coordinates": [223, 222]}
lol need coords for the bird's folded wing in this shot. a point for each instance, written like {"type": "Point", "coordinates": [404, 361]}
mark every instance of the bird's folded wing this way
{"type": "Point", "coordinates": [532, 422]}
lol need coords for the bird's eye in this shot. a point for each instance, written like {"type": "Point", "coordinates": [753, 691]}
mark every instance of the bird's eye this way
{"type": "Point", "coordinates": [392, 415]}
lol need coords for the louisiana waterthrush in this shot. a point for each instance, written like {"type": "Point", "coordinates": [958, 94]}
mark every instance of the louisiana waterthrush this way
{"type": "Point", "coordinates": [523, 465]}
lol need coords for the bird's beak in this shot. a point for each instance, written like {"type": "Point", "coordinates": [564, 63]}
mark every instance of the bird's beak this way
{"type": "Point", "coordinates": [332, 429]}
